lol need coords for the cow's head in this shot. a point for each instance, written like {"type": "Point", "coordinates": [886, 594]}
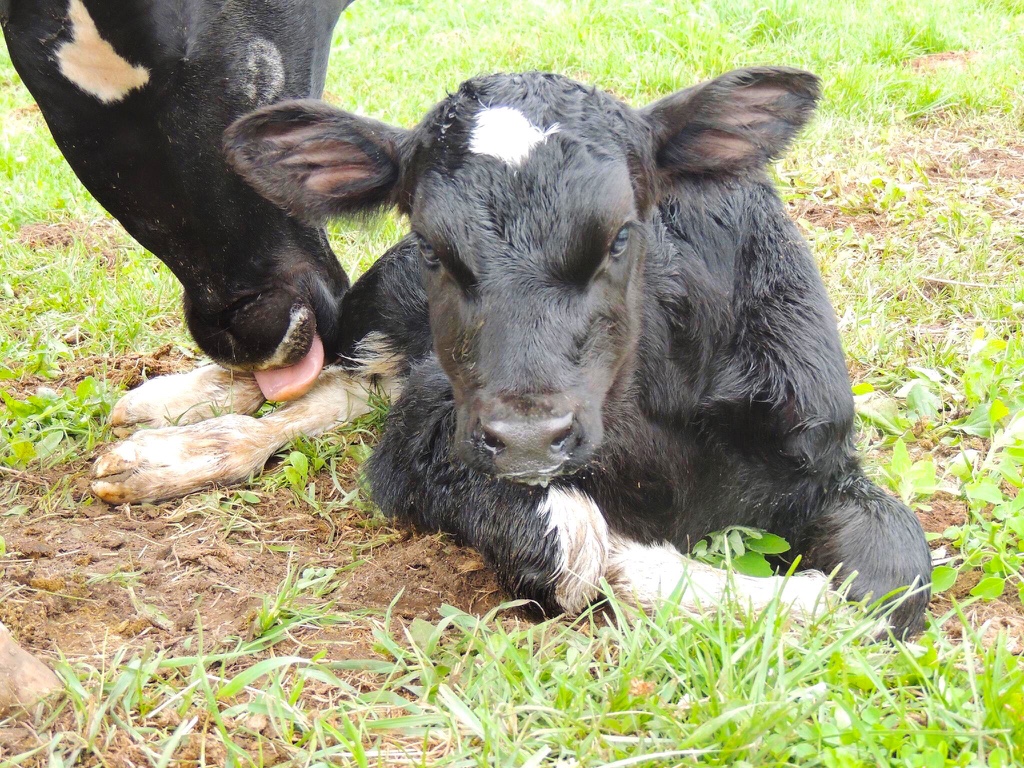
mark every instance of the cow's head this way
{"type": "Point", "coordinates": [137, 96]}
{"type": "Point", "coordinates": [533, 200]}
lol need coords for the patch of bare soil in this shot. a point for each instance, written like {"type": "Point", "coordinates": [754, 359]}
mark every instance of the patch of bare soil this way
{"type": "Point", "coordinates": [943, 512]}
{"type": "Point", "coordinates": [87, 579]}
{"type": "Point", "coordinates": [1005, 614]}
{"type": "Point", "coordinates": [104, 237]}
{"type": "Point", "coordinates": [127, 371]}
{"type": "Point", "coordinates": [833, 217]}
{"type": "Point", "coordinates": [950, 152]}
{"type": "Point", "coordinates": [945, 61]}
{"type": "Point", "coordinates": [432, 571]}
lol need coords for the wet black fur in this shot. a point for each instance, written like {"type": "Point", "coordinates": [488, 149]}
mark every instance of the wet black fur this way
{"type": "Point", "coordinates": [724, 399]}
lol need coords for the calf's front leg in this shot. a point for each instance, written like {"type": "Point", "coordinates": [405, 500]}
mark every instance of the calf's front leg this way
{"type": "Point", "coordinates": [187, 398]}
{"type": "Point", "coordinates": [869, 535]}
{"type": "Point", "coordinates": [550, 545]}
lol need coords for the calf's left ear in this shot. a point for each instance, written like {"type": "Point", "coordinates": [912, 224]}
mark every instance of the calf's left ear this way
{"type": "Point", "coordinates": [316, 161]}
{"type": "Point", "coordinates": [736, 122]}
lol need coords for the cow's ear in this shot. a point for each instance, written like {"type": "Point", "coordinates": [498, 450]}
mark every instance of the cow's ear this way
{"type": "Point", "coordinates": [316, 161]}
{"type": "Point", "coordinates": [734, 123]}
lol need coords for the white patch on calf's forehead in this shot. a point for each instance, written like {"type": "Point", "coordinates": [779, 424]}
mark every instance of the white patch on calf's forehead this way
{"type": "Point", "coordinates": [91, 63]}
{"type": "Point", "coordinates": [583, 543]}
{"type": "Point", "coordinates": [506, 134]}
{"type": "Point", "coordinates": [262, 76]}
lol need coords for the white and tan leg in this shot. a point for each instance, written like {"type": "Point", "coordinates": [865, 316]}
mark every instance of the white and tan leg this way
{"type": "Point", "coordinates": [186, 398]}
{"type": "Point", "coordinates": [166, 463]}
{"type": "Point", "coordinates": [650, 574]}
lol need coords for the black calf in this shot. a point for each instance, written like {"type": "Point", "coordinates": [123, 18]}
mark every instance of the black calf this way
{"type": "Point", "coordinates": [613, 340]}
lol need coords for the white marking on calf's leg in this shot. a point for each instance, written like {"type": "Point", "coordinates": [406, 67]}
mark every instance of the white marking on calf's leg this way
{"type": "Point", "coordinates": [166, 463]}
{"type": "Point", "coordinates": [583, 546]}
{"type": "Point", "coordinates": [91, 63]}
{"type": "Point", "coordinates": [506, 134]}
{"type": "Point", "coordinates": [187, 398]}
{"type": "Point", "coordinates": [652, 573]}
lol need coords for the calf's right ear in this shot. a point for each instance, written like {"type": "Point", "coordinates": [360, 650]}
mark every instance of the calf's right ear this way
{"type": "Point", "coordinates": [737, 122]}
{"type": "Point", "coordinates": [316, 161]}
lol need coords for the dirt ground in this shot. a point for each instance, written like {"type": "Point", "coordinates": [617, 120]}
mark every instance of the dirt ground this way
{"type": "Point", "coordinates": [83, 578]}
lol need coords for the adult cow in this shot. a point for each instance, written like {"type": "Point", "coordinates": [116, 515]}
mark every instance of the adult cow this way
{"type": "Point", "coordinates": [608, 337]}
{"type": "Point", "coordinates": [137, 95]}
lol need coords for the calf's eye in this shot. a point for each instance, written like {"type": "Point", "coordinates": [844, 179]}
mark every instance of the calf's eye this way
{"type": "Point", "coordinates": [428, 254]}
{"type": "Point", "coordinates": [619, 244]}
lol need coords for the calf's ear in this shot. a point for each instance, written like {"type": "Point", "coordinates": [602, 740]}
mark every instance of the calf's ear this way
{"type": "Point", "coordinates": [316, 161]}
{"type": "Point", "coordinates": [736, 122]}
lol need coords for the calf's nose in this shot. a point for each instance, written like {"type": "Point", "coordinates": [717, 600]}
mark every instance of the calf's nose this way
{"type": "Point", "coordinates": [534, 446]}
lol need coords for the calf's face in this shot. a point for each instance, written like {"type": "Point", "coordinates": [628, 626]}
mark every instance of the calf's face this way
{"type": "Point", "coordinates": [531, 197]}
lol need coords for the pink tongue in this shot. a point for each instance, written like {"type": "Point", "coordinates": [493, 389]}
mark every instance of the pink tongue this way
{"type": "Point", "coordinates": [295, 380]}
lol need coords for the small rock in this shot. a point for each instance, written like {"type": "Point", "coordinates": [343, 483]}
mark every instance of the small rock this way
{"type": "Point", "coordinates": [24, 680]}
{"type": "Point", "coordinates": [74, 337]}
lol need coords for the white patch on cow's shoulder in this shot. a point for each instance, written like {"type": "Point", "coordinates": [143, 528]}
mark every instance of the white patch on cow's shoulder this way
{"type": "Point", "coordinates": [507, 134]}
{"type": "Point", "coordinates": [91, 63]}
{"type": "Point", "coordinates": [583, 543]}
{"type": "Point", "coordinates": [262, 75]}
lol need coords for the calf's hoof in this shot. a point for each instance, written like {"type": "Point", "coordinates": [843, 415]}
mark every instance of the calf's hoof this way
{"type": "Point", "coordinates": [186, 398]}
{"type": "Point", "coordinates": [158, 464]}
{"type": "Point", "coordinates": [24, 680]}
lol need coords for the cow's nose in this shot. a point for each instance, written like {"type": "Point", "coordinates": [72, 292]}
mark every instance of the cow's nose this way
{"type": "Point", "coordinates": [531, 447]}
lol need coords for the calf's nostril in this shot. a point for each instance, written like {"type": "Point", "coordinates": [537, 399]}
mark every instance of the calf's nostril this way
{"type": "Point", "coordinates": [562, 436]}
{"type": "Point", "coordinates": [491, 440]}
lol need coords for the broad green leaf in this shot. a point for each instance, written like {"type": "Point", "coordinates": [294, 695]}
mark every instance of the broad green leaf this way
{"type": "Point", "coordinates": [976, 423]}
{"type": "Point", "coordinates": [900, 464]}
{"type": "Point", "coordinates": [884, 413]}
{"type": "Point", "coordinates": [768, 544]}
{"type": "Point", "coordinates": [922, 402]}
{"type": "Point", "coordinates": [943, 577]}
{"type": "Point", "coordinates": [997, 411]}
{"type": "Point", "coordinates": [752, 564]}
{"type": "Point", "coordinates": [989, 588]}
{"type": "Point", "coordinates": [984, 490]}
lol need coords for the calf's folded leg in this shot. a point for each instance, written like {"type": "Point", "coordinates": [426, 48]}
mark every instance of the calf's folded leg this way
{"type": "Point", "coordinates": [187, 398]}
{"type": "Point", "coordinates": [165, 463]}
{"type": "Point", "coordinates": [863, 531]}
{"type": "Point", "coordinates": [551, 545]}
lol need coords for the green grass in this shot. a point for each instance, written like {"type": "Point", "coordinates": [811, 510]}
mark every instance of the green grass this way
{"type": "Point", "coordinates": [910, 188]}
